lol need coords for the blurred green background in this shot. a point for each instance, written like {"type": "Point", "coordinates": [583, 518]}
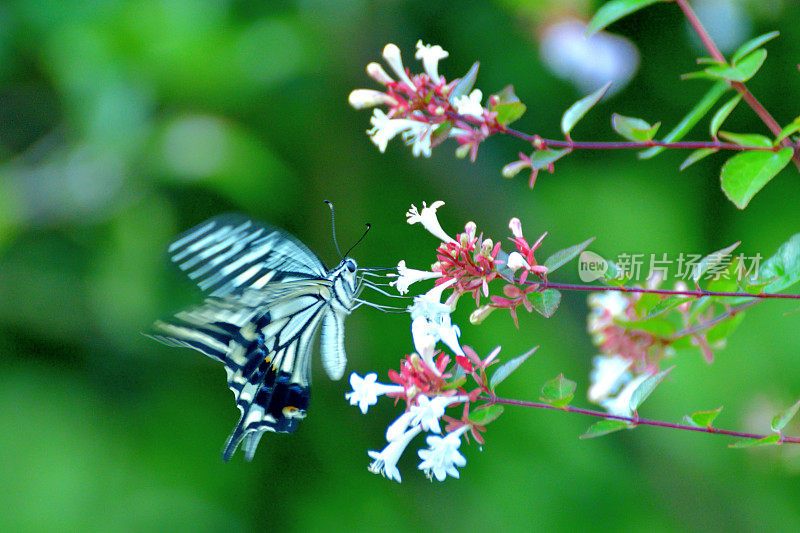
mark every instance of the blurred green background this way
{"type": "Point", "coordinates": [125, 123]}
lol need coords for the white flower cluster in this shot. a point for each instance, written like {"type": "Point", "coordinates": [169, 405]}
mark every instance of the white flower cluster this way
{"type": "Point", "coordinates": [415, 128]}
{"type": "Point", "coordinates": [612, 379]}
{"type": "Point", "coordinates": [430, 324]}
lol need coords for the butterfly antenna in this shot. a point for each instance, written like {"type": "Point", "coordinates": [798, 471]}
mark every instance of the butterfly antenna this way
{"type": "Point", "coordinates": [333, 227]}
{"type": "Point", "coordinates": [368, 226]}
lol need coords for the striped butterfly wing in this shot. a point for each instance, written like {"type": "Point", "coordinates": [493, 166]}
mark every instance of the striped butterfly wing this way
{"type": "Point", "coordinates": [230, 254]}
{"type": "Point", "coordinates": [270, 296]}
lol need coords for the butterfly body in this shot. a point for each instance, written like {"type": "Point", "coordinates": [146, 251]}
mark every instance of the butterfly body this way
{"type": "Point", "coordinates": [269, 297]}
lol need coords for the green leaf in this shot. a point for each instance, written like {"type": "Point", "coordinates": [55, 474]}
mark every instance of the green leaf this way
{"type": "Point", "coordinates": [509, 112]}
{"type": "Point", "coordinates": [658, 326]}
{"type": "Point", "coordinates": [785, 416]}
{"type": "Point", "coordinates": [559, 391]}
{"type": "Point", "coordinates": [543, 158]}
{"type": "Point", "coordinates": [646, 388]}
{"type": "Point", "coordinates": [441, 133]}
{"type": "Point", "coordinates": [562, 257]}
{"type": "Point", "coordinates": [634, 129]}
{"type": "Point", "coordinates": [712, 260]}
{"type": "Point", "coordinates": [692, 118]}
{"type": "Point", "coordinates": [604, 427]}
{"type": "Point", "coordinates": [546, 302]}
{"type": "Point", "coordinates": [752, 443]}
{"type": "Point", "coordinates": [704, 419]}
{"type": "Point", "coordinates": [666, 304]}
{"type": "Point", "coordinates": [484, 415]}
{"type": "Point", "coordinates": [752, 44]}
{"type": "Point", "coordinates": [645, 302]}
{"type": "Point", "coordinates": [457, 382]}
{"type": "Point", "coordinates": [741, 71]}
{"type": "Point", "coordinates": [792, 128]}
{"type": "Point", "coordinates": [578, 109]}
{"type": "Point", "coordinates": [722, 114]}
{"type": "Point", "coordinates": [615, 10]}
{"type": "Point", "coordinates": [743, 175]}
{"type": "Point", "coordinates": [724, 329]}
{"type": "Point", "coordinates": [747, 139]}
{"type": "Point", "coordinates": [782, 270]}
{"type": "Point", "coordinates": [507, 368]}
{"type": "Point", "coordinates": [696, 156]}
{"type": "Point", "coordinates": [465, 84]}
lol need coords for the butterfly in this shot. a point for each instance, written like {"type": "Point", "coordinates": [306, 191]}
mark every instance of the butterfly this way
{"type": "Point", "coordinates": [268, 297]}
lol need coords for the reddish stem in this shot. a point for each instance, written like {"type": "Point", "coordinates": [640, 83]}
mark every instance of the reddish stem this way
{"type": "Point", "coordinates": [748, 97]}
{"type": "Point", "coordinates": [696, 293]}
{"type": "Point", "coordinates": [635, 420]}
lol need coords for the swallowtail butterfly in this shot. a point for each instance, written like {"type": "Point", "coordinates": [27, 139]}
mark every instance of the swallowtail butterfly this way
{"type": "Point", "coordinates": [269, 295]}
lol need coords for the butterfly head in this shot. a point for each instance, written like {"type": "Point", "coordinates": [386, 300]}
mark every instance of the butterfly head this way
{"type": "Point", "coordinates": [346, 280]}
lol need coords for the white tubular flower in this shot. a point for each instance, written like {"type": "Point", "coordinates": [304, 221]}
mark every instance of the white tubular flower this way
{"type": "Point", "coordinates": [516, 227]}
{"type": "Point", "coordinates": [366, 390]}
{"type": "Point", "coordinates": [391, 53]}
{"type": "Point", "coordinates": [363, 98]}
{"type": "Point", "coordinates": [516, 261]}
{"type": "Point", "coordinates": [470, 105]}
{"type": "Point", "coordinates": [428, 219]}
{"type": "Point", "coordinates": [430, 56]}
{"type": "Point", "coordinates": [376, 72]}
{"type": "Point", "coordinates": [607, 376]}
{"type": "Point", "coordinates": [419, 138]}
{"type": "Point", "coordinates": [430, 320]}
{"type": "Point", "coordinates": [385, 461]}
{"type": "Point", "coordinates": [514, 168]}
{"type": "Point", "coordinates": [399, 426]}
{"type": "Point", "coordinates": [407, 276]}
{"type": "Point", "coordinates": [424, 340]}
{"type": "Point", "coordinates": [620, 406]}
{"type": "Point", "coordinates": [427, 412]}
{"type": "Point", "coordinates": [385, 128]}
{"type": "Point", "coordinates": [612, 302]}
{"type": "Point", "coordinates": [442, 457]}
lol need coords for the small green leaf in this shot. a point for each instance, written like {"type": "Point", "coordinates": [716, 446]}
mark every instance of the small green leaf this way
{"type": "Point", "coordinates": [658, 326]}
{"type": "Point", "coordinates": [441, 133]}
{"type": "Point", "coordinates": [743, 175]}
{"type": "Point", "coordinates": [465, 84]}
{"type": "Point", "coordinates": [559, 391]}
{"type": "Point", "coordinates": [456, 383]}
{"type": "Point", "coordinates": [693, 117]}
{"type": "Point", "coordinates": [562, 257]}
{"type": "Point", "coordinates": [634, 129]}
{"type": "Point", "coordinates": [546, 302]}
{"type": "Point", "coordinates": [712, 260]}
{"type": "Point", "coordinates": [792, 128]}
{"type": "Point", "coordinates": [724, 329]}
{"type": "Point", "coordinates": [509, 112]}
{"type": "Point", "coordinates": [747, 139]}
{"type": "Point", "coordinates": [722, 113]}
{"type": "Point", "coordinates": [483, 415]}
{"type": "Point", "coordinates": [543, 158]}
{"type": "Point", "coordinates": [604, 427]}
{"type": "Point", "coordinates": [741, 71]}
{"type": "Point", "coordinates": [696, 156]}
{"type": "Point", "coordinates": [782, 270]}
{"type": "Point", "coordinates": [666, 304]}
{"type": "Point", "coordinates": [646, 388]}
{"type": "Point", "coordinates": [704, 419]}
{"type": "Point", "coordinates": [752, 443]}
{"type": "Point", "coordinates": [645, 302]}
{"type": "Point", "coordinates": [507, 368]}
{"type": "Point", "coordinates": [578, 109]}
{"type": "Point", "coordinates": [752, 44]}
{"type": "Point", "coordinates": [615, 10]}
{"type": "Point", "coordinates": [784, 417]}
